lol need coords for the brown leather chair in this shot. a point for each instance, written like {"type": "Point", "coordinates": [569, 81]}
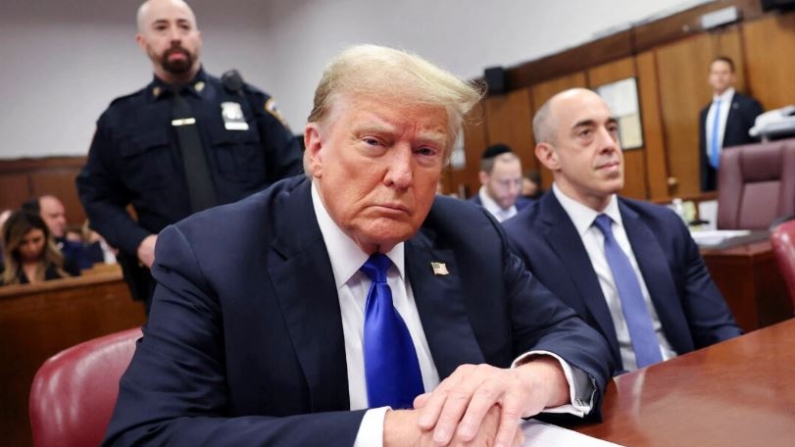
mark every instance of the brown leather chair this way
{"type": "Point", "coordinates": [74, 392]}
{"type": "Point", "coordinates": [756, 185]}
{"type": "Point", "coordinates": [783, 240]}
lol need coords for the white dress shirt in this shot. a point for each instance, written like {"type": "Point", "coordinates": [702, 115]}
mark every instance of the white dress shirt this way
{"type": "Point", "coordinates": [499, 213]}
{"type": "Point", "coordinates": [594, 241]}
{"type": "Point", "coordinates": [725, 106]}
{"type": "Point", "coordinates": [352, 288]}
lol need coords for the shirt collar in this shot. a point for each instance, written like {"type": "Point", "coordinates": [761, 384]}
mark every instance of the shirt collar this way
{"type": "Point", "coordinates": [583, 216]}
{"type": "Point", "coordinates": [725, 97]}
{"type": "Point", "coordinates": [196, 86]}
{"type": "Point", "coordinates": [346, 257]}
{"type": "Point", "coordinates": [491, 206]}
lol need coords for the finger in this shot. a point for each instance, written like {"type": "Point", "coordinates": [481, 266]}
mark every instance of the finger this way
{"type": "Point", "coordinates": [511, 414]}
{"type": "Point", "coordinates": [518, 440]}
{"type": "Point", "coordinates": [429, 413]}
{"type": "Point", "coordinates": [484, 398]}
{"type": "Point", "coordinates": [453, 410]}
{"type": "Point", "coordinates": [434, 402]}
{"type": "Point", "coordinates": [421, 400]}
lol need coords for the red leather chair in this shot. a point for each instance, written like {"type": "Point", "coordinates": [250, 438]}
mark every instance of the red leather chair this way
{"type": "Point", "coordinates": [783, 240]}
{"type": "Point", "coordinates": [756, 185]}
{"type": "Point", "coordinates": [74, 392]}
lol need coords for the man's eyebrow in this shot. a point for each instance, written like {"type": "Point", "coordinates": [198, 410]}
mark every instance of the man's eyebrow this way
{"type": "Point", "coordinates": [591, 122]}
{"type": "Point", "coordinates": [584, 123]}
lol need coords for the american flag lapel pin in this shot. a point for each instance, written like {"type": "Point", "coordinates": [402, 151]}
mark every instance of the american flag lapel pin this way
{"type": "Point", "coordinates": [439, 268]}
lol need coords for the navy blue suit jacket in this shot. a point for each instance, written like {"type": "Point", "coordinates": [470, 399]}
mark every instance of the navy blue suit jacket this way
{"type": "Point", "coordinates": [741, 118]}
{"type": "Point", "coordinates": [245, 347]}
{"type": "Point", "coordinates": [692, 311]}
{"type": "Point", "coordinates": [521, 202]}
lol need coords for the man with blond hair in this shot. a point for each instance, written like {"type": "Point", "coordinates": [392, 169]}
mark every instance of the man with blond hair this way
{"type": "Point", "coordinates": [352, 307]}
{"type": "Point", "coordinates": [185, 142]}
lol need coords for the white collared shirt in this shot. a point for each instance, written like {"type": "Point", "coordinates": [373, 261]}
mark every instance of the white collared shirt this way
{"type": "Point", "coordinates": [594, 241]}
{"type": "Point", "coordinates": [499, 213]}
{"type": "Point", "coordinates": [725, 105]}
{"type": "Point", "coordinates": [352, 288]}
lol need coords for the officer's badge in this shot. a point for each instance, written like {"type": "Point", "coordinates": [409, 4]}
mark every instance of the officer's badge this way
{"type": "Point", "coordinates": [270, 107]}
{"type": "Point", "coordinates": [233, 116]}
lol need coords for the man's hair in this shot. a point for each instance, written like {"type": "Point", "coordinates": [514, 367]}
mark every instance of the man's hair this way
{"type": "Point", "coordinates": [487, 164]}
{"type": "Point", "coordinates": [542, 128]}
{"type": "Point", "coordinates": [140, 15]}
{"type": "Point", "coordinates": [32, 205]}
{"type": "Point", "coordinates": [726, 59]}
{"type": "Point", "coordinates": [400, 77]}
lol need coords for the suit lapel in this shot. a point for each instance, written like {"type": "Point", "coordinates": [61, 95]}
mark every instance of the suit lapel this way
{"type": "Point", "coordinates": [562, 237]}
{"type": "Point", "coordinates": [311, 308]}
{"type": "Point", "coordinates": [440, 302]}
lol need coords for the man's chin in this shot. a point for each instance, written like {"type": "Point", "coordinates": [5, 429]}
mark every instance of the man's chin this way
{"type": "Point", "coordinates": [177, 68]}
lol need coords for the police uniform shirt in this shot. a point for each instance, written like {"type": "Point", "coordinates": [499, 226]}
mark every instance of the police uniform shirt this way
{"type": "Point", "coordinates": [135, 156]}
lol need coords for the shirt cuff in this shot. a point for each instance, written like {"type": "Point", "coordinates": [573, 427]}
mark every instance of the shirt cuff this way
{"type": "Point", "coordinates": [371, 430]}
{"type": "Point", "coordinates": [581, 388]}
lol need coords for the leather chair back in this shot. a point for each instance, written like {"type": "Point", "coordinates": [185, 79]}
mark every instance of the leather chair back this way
{"type": "Point", "coordinates": [74, 392]}
{"type": "Point", "coordinates": [783, 240]}
{"type": "Point", "coordinates": [756, 185]}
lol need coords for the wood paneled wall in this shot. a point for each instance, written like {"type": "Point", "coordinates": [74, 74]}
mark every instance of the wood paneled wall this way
{"type": "Point", "coordinates": [669, 58]}
{"type": "Point", "coordinates": [23, 179]}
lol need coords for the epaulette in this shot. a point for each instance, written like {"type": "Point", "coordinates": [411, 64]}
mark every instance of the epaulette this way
{"type": "Point", "coordinates": [122, 98]}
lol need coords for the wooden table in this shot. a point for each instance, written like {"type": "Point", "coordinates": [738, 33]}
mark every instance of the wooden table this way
{"type": "Point", "coordinates": [751, 282]}
{"type": "Point", "coordinates": [736, 393]}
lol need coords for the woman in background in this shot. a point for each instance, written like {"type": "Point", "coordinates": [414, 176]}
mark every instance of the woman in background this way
{"type": "Point", "coordinates": [29, 254]}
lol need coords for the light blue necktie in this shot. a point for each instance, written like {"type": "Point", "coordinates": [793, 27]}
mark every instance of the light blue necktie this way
{"type": "Point", "coordinates": [390, 361]}
{"type": "Point", "coordinates": [714, 150]}
{"type": "Point", "coordinates": [641, 332]}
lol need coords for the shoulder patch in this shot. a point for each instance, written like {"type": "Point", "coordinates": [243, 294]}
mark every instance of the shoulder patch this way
{"type": "Point", "coordinates": [270, 107]}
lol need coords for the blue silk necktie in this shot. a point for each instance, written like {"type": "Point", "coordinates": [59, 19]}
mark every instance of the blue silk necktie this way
{"type": "Point", "coordinates": [714, 150]}
{"type": "Point", "coordinates": [390, 360]}
{"type": "Point", "coordinates": [636, 314]}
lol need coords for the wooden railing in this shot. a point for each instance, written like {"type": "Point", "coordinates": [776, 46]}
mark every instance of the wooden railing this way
{"type": "Point", "coordinates": [39, 320]}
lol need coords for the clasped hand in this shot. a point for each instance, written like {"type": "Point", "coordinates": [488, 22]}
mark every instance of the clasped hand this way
{"type": "Point", "coordinates": [480, 405]}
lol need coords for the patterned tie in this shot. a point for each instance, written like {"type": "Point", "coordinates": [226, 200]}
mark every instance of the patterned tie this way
{"type": "Point", "coordinates": [641, 332]}
{"type": "Point", "coordinates": [390, 361]}
{"type": "Point", "coordinates": [714, 149]}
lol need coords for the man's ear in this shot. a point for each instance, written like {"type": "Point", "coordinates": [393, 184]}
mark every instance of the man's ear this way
{"type": "Point", "coordinates": [141, 41]}
{"type": "Point", "coordinates": [313, 155]}
{"type": "Point", "coordinates": [484, 177]}
{"type": "Point", "coordinates": [548, 156]}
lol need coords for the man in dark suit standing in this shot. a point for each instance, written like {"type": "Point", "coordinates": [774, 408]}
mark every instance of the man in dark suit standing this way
{"type": "Point", "coordinates": [629, 268]}
{"type": "Point", "coordinates": [501, 182]}
{"type": "Point", "coordinates": [321, 310]}
{"type": "Point", "coordinates": [725, 122]}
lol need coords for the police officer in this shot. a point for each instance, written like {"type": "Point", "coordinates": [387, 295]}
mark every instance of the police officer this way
{"type": "Point", "coordinates": [184, 143]}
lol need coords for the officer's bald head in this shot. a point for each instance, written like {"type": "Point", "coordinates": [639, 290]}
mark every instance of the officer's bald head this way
{"type": "Point", "coordinates": [167, 33]}
{"type": "Point", "coordinates": [149, 10]}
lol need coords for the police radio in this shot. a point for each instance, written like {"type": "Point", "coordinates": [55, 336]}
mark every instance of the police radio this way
{"type": "Point", "coordinates": [233, 81]}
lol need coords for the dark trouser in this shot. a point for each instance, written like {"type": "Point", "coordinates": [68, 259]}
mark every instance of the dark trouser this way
{"type": "Point", "coordinates": [139, 279]}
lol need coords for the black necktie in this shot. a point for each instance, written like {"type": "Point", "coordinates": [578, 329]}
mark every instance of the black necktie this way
{"type": "Point", "coordinates": [194, 163]}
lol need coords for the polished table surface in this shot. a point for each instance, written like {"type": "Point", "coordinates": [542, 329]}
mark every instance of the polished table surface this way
{"type": "Point", "coordinates": [737, 393]}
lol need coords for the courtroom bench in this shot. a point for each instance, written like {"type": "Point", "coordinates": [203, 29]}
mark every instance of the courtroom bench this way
{"type": "Point", "coordinates": [39, 320]}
